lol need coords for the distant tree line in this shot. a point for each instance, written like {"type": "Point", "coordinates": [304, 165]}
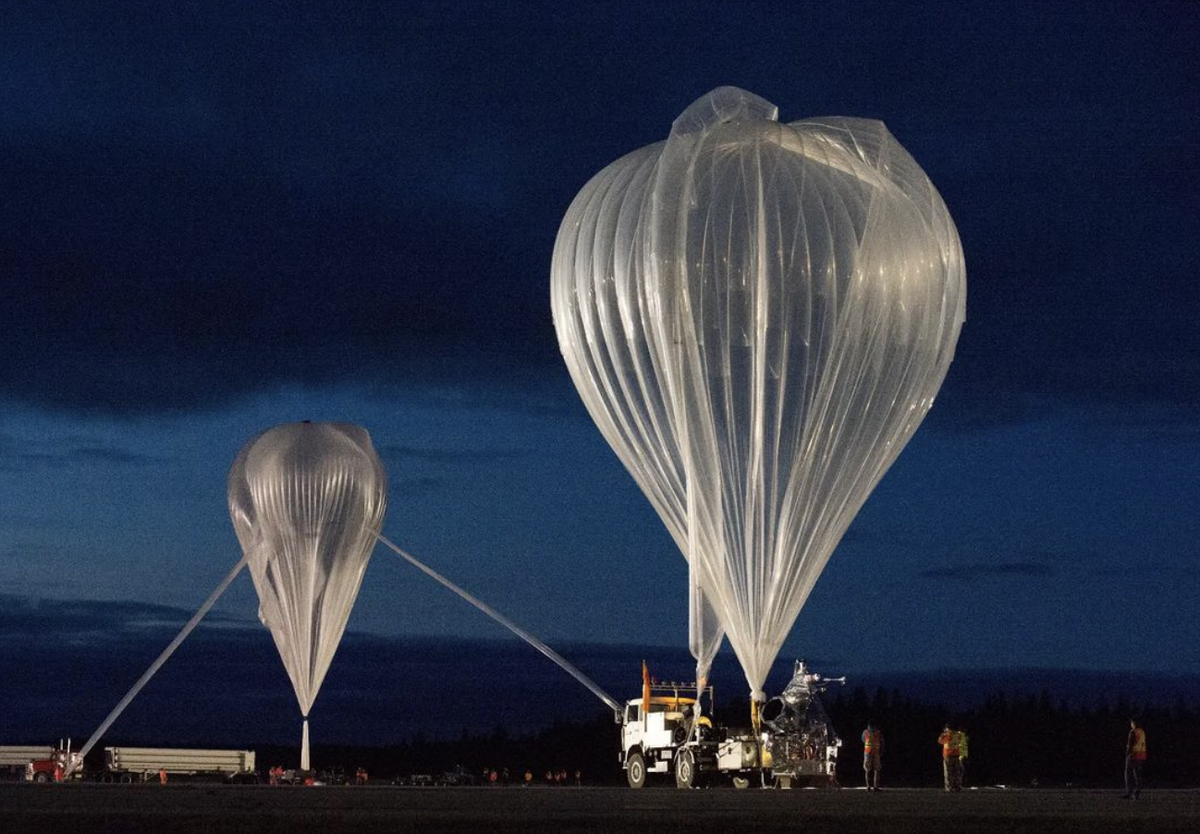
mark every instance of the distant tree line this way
{"type": "Point", "coordinates": [1027, 741]}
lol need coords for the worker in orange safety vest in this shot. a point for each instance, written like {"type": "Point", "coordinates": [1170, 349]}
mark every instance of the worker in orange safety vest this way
{"type": "Point", "coordinates": [951, 766]}
{"type": "Point", "coordinates": [1135, 759]}
{"type": "Point", "coordinates": [872, 739]}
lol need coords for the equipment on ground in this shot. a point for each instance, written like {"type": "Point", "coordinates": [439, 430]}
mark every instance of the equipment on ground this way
{"type": "Point", "coordinates": [667, 731]}
{"type": "Point", "coordinates": [798, 738]}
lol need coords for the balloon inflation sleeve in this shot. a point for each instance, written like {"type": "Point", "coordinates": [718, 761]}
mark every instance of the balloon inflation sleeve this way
{"type": "Point", "coordinates": [304, 762]}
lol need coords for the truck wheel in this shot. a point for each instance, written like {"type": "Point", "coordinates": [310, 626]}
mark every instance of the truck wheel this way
{"type": "Point", "coordinates": [126, 778]}
{"type": "Point", "coordinates": [635, 769]}
{"type": "Point", "coordinates": [685, 769]}
{"type": "Point", "coordinates": [741, 782]}
{"type": "Point", "coordinates": [41, 776]}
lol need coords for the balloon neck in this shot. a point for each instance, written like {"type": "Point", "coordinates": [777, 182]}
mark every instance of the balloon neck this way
{"type": "Point", "coordinates": [305, 764]}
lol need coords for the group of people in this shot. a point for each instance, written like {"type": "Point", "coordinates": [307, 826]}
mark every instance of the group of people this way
{"type": "Point", "coordinates": [278, 776]}
{"type": "Point", "coordinates": [553, 778]}
{"type": "Point", "coordinates": [955, 749]}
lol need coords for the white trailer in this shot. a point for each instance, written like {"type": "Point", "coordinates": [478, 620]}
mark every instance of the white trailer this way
{"type": "Point", "coordinates": [139, 764]}
{"type": "Point", "coordinates": [15, 759]}
{"type": "Point", "coordinates": [36, 763]}
{"type": "Point", "coordinates": [15, 755]}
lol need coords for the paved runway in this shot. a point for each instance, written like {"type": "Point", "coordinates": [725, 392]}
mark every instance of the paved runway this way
{"type": "Point", "coordinates": [188, 809]}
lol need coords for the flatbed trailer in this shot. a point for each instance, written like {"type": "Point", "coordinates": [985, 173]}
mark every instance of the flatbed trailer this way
{"type": "Point", "coordinates": [15, 759]}
{"type": "Point", "coordinates": [141, 764]}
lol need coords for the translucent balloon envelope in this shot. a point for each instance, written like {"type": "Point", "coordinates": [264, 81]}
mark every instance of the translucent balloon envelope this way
{"type": "Point", "coordinates": [307, 500]}
{"type": "Point", "coordinates": [597, 297]}
{"type": "Point", "coordinates": [766, 312]}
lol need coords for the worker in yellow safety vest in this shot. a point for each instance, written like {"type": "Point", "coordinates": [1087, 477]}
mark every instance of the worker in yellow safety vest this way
{"type": "Point", "coordinates": [1135, 759]}
{"type": "Point", "coordinates": [962, 754]}
{"type": "Point", "coordinates": [951, 764]}
{"type": "Point", "coordinates": [872, 739]}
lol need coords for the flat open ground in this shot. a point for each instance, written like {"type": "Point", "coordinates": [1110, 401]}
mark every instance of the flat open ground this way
{"type": "Point", "coordinates": [183, 809]}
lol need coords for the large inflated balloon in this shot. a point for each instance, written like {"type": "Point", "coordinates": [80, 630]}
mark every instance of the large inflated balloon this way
{"type": "Point", "coordinates": [775, 304]}
{"type": "Point", "coordinates": [307, 500]}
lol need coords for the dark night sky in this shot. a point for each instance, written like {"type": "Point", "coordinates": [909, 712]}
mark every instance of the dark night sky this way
{"type": "Point", "coordinates": [219, 217]}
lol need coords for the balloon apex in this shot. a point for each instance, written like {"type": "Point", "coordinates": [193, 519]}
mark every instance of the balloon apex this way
{"type": "Point", "coordinates": [721, 106]}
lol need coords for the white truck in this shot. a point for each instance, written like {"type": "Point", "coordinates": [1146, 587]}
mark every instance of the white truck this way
{"type": "Point", "coordinates": [141, 764]}
{"type": "Point", "coordinates": [666, 732]}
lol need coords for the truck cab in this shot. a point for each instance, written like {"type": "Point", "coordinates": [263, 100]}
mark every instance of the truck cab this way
{"type": "Point", "coordinates": [661, 732]}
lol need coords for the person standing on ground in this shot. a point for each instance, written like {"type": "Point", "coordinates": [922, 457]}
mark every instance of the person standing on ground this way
{"type": "Point", "coordinates": [872, 739]}
{"type": "Point", "coordinates": [1135, 759]}
{"type": "Point", "coordinates": [963, 748]}
{"type": "Point", "coordinates": [951, 766]}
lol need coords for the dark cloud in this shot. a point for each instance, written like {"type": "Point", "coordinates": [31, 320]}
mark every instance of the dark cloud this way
{"type": "Point", "coordinates": [50, 620]}
{"type": "Point", "coordinates": [1003, 570]}
{"type": "Point", "coordinates": [20, 455]}
{"type": "Point", "coordinates": [178, 288]}
{"type": "Point", "coordinates": [201, 204]}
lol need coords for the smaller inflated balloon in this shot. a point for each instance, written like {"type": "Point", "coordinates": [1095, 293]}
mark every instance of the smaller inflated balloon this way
{"type": "Point", "coordinates": [307, 501]}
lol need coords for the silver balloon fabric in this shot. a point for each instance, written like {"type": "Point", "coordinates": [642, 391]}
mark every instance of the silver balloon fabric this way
{"type": "Point", "coordinates": [307, 501]}
{"type": "Point", "coordinates": [758, 316]}
{"type": "Point", "coordinates": [597, 296]}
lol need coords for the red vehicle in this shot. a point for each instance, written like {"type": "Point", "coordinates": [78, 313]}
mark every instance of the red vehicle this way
{"type": "Point", "coordinates": [36, 764]}
{"type": "Point", "coordinates": [47, 770]}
